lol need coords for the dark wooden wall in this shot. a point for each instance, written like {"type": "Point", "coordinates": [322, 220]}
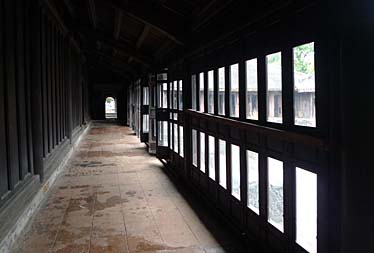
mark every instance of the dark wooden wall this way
{"type": "Point", "coordinates": [43, 93]}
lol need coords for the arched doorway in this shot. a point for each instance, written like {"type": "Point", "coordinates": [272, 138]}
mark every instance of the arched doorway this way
{"type": "Point", "coordinates": [110, 108]}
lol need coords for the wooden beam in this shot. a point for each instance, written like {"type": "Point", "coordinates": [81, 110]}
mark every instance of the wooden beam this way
{"type": "Point", "coordinates": [92, 13]}
{"type": "Point", "coordinates": [162, 49]}
{"type": "Point", "coordinates": [142, 36]}
{"type": "Point", "coordinates": [120, 47]}
{"type": "Point", "coordinates": [70, 8]}
{"type": "Point", "coordinates": [144, 12]}
{"type": "Point", "coordinates": [113, 60]}
{"type": "Point", "coordinates": [117, 24]}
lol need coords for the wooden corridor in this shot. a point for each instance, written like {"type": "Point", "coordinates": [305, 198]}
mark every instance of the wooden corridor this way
{"type": "Point", "coordinates": [114, 197]}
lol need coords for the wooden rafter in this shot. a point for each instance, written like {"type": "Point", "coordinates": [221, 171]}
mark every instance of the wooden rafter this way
{"type": "Point", "coordinates": [148, 16]}
{"type": "Point", "coordinates": [117, 24]}
{"type": "Point", "coordinates": [142, 36]}
{"type": "Point", "coordinates": [121, 47]}
{"type": "Point", "coordinates": [92, 13]}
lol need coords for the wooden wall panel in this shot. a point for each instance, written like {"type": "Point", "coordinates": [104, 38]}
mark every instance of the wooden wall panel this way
{"type": "Point", "coordinates": [36, 71]}
{"type": "Point", "coordinates": [3, 147]}
{"type": "Point", "coordinates": [11, 94]}
{"type": "Point", "coordinates": [21, 91]}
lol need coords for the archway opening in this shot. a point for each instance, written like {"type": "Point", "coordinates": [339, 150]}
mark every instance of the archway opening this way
{"type": "Point", "coordinates": [110, 108]}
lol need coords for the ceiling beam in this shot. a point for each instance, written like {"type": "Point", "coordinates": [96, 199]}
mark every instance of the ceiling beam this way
{"type": "Point", "coordinates": [142, 36]}
{"type": "Point", "coordinates": [70, 8]}
{"type": "Point", "coordinates": [117, 23]}
{"type": "Point", "coordinates": [92, 13]}
{"type": "Point", "coordinates": [123, 48]}
{"type": "Point", "coordinates": [116, 62]}
{"type": "Point", "coordinates": [157, 19]}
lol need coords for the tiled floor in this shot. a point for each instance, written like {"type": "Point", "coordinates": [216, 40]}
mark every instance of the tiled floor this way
{"type": "Point", "coordinates": [114, 197]}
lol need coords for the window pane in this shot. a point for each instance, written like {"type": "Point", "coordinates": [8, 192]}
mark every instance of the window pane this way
{"type": "Point", "coordinates": [145, 123]}
{"type": "Point", "coordinates": [163, 133]}
{"type": "Point", "coordinates": [175, 95]}
{"type": "Point", "coordinates": [304, 85]}
{"type": "Point", "coordinates": [251, 81]}
{"type": "Point", "coordinates": [202, 152]}
{"type": "Point", "coordinates": [162, 76]}
{"type": "Point", "coordinates": [180, 95]}
{"type": "Point", "coordinates": [164, 96]}
{"type": "Point", "coordinates": [170, 95]}
{"type": "Point", "coordinates": [176, 138]}
{"type": "Point", "coordinates": [201, 92]}
{"type": "Point", "coordinates": [274, 87]}
{"type": "Point", "coordinates": [222, 163]}
{"type": "Point", "coordinates": [235, 171]}
{"type": "Point", "coordinates": [145, 96]}
{"type": "Point", "coordinates": [171, 136]}
{"type": "Point", "coordinates": [275, 193]}
{"type": "Point", "coordinates": [306, 209]}
{"type": "Point", "coordinates": [159, 95]}
{"type": "Point", "coordinates": [221, 91]}
{"type": "Point", "coordinates": [193, 91]}
{"type": "Point", "coordinates": [234, 90]}
{"type": "Point", "coordinates": [211, 91]}
{"type": "Point", "coordinates": [181, 148]}
{"type": "Point", "coordinates": [252, 180]}
{"type": "Point", "coordinates": [211, 161]}
{"type": "Point", "coordinates": [194, 147]}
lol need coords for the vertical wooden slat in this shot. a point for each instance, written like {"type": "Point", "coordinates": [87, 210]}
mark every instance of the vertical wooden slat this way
{"type": "Point", "coordinates": [3, 151]}
{"type": "Point", "coordinates": [37, 81]}
{"type": "Point", "coordinates": [49, 86]}
{"type": "Point", "coordinates": [20, 87]}
{"type": "Point", "coordinates": [28, 49]}
{"type": "Point", "coordinates": [53, 83]}
{"type": "Point", "coordinates": [59, 85]}
{"type": "Point", "coordinates": [57, 77]}
{"type": "Point", "coordinates": [11, 95]}
{"type": "Point", "coordinates": [44, 78]}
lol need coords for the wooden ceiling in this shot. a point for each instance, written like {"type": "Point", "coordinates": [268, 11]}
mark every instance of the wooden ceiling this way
{"type": "Point", "coordinates": [132, 36]}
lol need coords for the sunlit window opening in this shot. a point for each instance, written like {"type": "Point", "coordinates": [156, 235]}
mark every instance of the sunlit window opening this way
{"type": "Point", "coordinates": [221, 91]}
{"type": "Point", "coordinates": [145, 96]}
{"type": "Point", "coordinates": [193, 91]}
{"type": "Point", "coordinates": [163, 95]}
{"type": "Point", "coordinates": [202, 152]}
{"type": "Point", "coordinates": [194, 147]}
{"type": "Point", "coordinates": [253, 181]}
{"type": "Point", "coordinates": [211, 91]}
{"type": "Point", "coordinates": [110, 108]}
{"type": "Point", "coordinates": [163, 133]}
{"type": "Point", "coordinates": [176, 138]}
{"type": "Point", "coordinates": [211, 161]}
{"type": "Point", "coordinates": [234, 90]}
{"type": "Point", "coordinates": [171, 95]}
{"type": "Point", "coordinates": [145, 123]}
{"type": "Point", "coordinates": [306, 209]}
{"type": "Point", "coordinates": [235, 171]}
{"type": "Point", "coordinates": [171, 135]}
{"type": "Point", "coordinates": [274, 87]}
{"type": "Point", "coordinates": [181, 148]}
{"type": "Point", "coordinates": [222, 163]}
{"type": "Point", "coordinates": [275, 193]}
{"type": "Point", "coordinates": [251, 85]}
{"type": "Point", "coordinates": [304, 85]}
{"type": "Point", "coordinates": [180, 96]}
{"type": "Point", "coordinates": [175, 95]}
{"type": "Point", "coordinates": [201, 92]}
